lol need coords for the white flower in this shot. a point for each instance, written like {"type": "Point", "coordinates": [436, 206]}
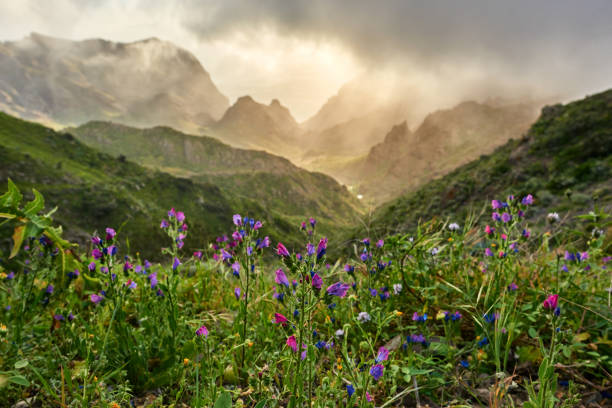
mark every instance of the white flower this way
{"type": "Point", "coordinates": [363, 317]}
{"type": "Point", "coordinates": [453, 227]}
{"type": "Point", "coordinates": [553, 217]}
{"type": "Point", "coordinates": [434, 251]}
{"type": "Point", "coordinates": [411, 239]}
{"type": "Point", "coordinates": [339, 333]}
{"type": "Point", "coordinates": [397, 288]}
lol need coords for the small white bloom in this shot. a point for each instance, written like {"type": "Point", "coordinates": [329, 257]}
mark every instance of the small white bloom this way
{"type": "Point", "coordinates": [453, 226]}
{"type": "Point", "coordinates": [363, 317]}
{"type": "Point", "coordinates": [397, 288]}
{"type": "Point", "coordinates": [553, 217]}
{"type": "Point", "coordinates": [411, 239]}
{"type": "Point", "coordinates": [339, 333]}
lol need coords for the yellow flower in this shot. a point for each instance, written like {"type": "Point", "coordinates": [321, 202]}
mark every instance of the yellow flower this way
{"type": "Point", "coordinates": [186, 361]}
{"type": "Point", "coordinates": [327, 319]}
{"type": "Point", "coordinates": [114, 405]}
{"type": "Point", "coordinates": [398, 313]}
{"type": "Point", "coordinates": [250, 343]}
{"type": "Point", "coordinates": [450, 239]}
{"type": "Point", "coordinates": [440, 315]}
{"type": "Point", "coordinates": [3, 327]}
{"type": "Point", "coordinates": [493, 245]}
{"type": "Point", "coordinates": [339, 366]}
{"type": "Point", "coordinates": [3, 275]}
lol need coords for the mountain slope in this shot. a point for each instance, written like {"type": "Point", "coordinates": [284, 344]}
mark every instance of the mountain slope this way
{"type": "Point", "coordinates": [445, 140]}
{"type": "Point", "coordinates": [94, 190]}
{"type": "Point", "coordinates": [253, 125]}
{"type": "Point", "coordinates": [148, 82]}
{"type": "Point", "coordinates": [567, 152]}
{"type": "Point", "coordinates": [274, 182]}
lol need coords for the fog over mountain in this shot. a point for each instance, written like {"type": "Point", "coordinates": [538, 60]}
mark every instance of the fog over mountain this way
{"type": "Point", "coordinates": [301, 52]}
{"type": "Point", "coordinates": [140, 83]}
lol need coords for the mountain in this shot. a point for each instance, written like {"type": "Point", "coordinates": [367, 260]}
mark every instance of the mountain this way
{"type": "Point", "coordinates": [142, 83]}
{"type": "Point", "coordinates": [446, 139]}
{"type": "Point", "coordinates": [94, 190]}
{"type": "Point", "coordinates": [564, 160]}
{"type": "Point", "coordinates": [253, 125]}
{"type": "Point", "coordinates": [274, 182]}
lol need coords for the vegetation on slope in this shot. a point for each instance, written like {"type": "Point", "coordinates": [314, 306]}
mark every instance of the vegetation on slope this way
{"type": "Point", "coordinates": [94, 190]}
{"type": "Point", "coordinates": [565, 161]}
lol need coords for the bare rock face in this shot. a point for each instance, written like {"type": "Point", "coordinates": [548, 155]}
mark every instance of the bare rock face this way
{"type": "Point", "coordinates": [143, 83]}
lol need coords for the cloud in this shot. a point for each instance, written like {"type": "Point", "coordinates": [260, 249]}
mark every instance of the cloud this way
{"type": "Point", "coordinates": [302, 51]}
{"type": "Point", "coordinates": [559, 45]}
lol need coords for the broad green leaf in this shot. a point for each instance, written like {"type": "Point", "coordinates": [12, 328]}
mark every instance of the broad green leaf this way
{"type": "Point", "coordinates": [224, 400]}
{"type": "Point", "coordinates": [12, 197]}
{"type": "Point", "coordinates": [532, 333]}
{"type": "Point", "coordinates": [21, 364]}
{"type": "Point", "coordinates": [20, 380]}
{"type": "Point", "coordinates": [36, 205]}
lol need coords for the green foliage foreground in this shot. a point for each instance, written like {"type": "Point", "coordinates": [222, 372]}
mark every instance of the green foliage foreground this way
{"type": "Point", "coordinates": [451, 314]}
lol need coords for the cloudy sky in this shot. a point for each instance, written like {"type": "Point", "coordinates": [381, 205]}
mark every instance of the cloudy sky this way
{"type": "Point", "coordinates": [301, 52]}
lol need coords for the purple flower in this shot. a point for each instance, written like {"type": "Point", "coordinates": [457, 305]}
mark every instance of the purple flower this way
{"type": "Point", "coordinates": [257, 225]}
{"type": "Point", "coordinates": [373, 292]}
{"type": "Point", "coordinates": [512, 287]}
{"type": "Point", "coordinates": [237, 220]}
{"type": "Point", "coordinates": [164, 224]}
{"type": "Point", "coordinates": [349, 269]}
{"type": "Point", "coordinates": [175, 264]}
{"type": "Point", "coordinates": [313, 222]}
{"type": "Point", "coordinates": [281, 250]}
{"type": "Point", "coordinates": [506, 217]}
{"type": "Point", "coordinates": [338, 289]}
{"type": "Point", "coordinates": [131, 284]}
{"type": "Point", "coordinates": [180, 216]}
{"type": "Point", "coordinates": [383, 355]}
{"type": "Point", "coordinates": [281, 278]}
{"type": "Point", "coordinates": [96, 253]}
{"type": "Point", "coordinates": [292, 343]}
{"type": "Point", "coordinates": [317, 282]}
{"type": "Point", "coordinates": [376, 371]}
{"type": "Point", "coordinates": [71, 317]}
{"type": "Point", "coordinates": [237, 293]}
{"type": "Point", "coordinates": [95, 298]}
{"type": "Point", "coordinates": [110, 234]}
{"type": "Point", "coordinates": [417, 318]}
{"type": "Point", "coordinates": [96, 240]}
{"type": "Point", "coordinates": [495, 216]}
{"type": "Point", "coordinates": [264, 243]}
{"type": "Point", "coordinates": [127, 266]}
{"type": "Point", "coordinates": [138, 269]}
{"type": "Point", "coordinates": [58, 317]}
{"type": "Point", "coordinates": [171, 213]}
{"type": "Point", "coordinates": [49, 289]}
{"type": "Point", "coordinates": [380, 243]}
{"type": "Point", "coordinates": [366, 241]}
{"type": "Point", "coordinates": [526, 233]}
{"type": "Point", "coordinates": [321, 248]}
{"type": "Point", "coordinates": [350, 390]}
{"type": "Point", "coordinates": [10, 276]}
{"type": "Point", "coordinates": [488, 252]}
{"type": "Point", "coordinates": [496, 204]}
{"type": "Point", "coordinates": [236, 269]}
{"type": "Point", "coordinates": [225, 255]}
{"type": "Point", "coordinates": [202, 331]}
{"type": "Point", "coordinates": [310, 249]}
{"type": "Point", "coordinates": [527, 200]}
{"type": "Point", "coordinates": [153, 280]}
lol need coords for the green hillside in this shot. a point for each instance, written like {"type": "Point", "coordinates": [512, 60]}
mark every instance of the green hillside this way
{"type": "Point", "coordinates": [565, 161]}
{"type": "Point", "coordinates": [272, 181]}
{"type": "Point", "coordinates": [94, 190]}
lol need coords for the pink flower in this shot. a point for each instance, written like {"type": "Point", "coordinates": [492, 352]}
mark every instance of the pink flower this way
{"type": "Point", "coordinates": [383, 355]}
{"type": "Point", "coordinates": [292, 343]}
{"type": "Point", "coordinates": [279, 318]}
{"type": "Point", "coordinates": [281, 250]}
{"type": "Point", "coordinates": [317, 282]}
{"type": "Point", "coordinates": [551, 302]}
{"type": "Point", "coordinates": [202, 331]}
{"type": "Point", "coordinates": [489, 230]}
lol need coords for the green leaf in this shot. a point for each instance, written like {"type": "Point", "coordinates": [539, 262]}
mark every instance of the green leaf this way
{"type": "Point", "coordinates": [532, 333]}
{"type": "Point", "coordinates": [224, 400]}
{"type": "Point", "coordinates": [21, 364]}
{"type": "Point", "coordinates": [36, 205]}
{"type": "Point", "coordinates": [7, 215]}
{"type": "Point", "coordinates": [20, 380]}
{"type": "Point", "coordinates": [261, 404]}
{"type": "Point", "coordinates": [12, 197]}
